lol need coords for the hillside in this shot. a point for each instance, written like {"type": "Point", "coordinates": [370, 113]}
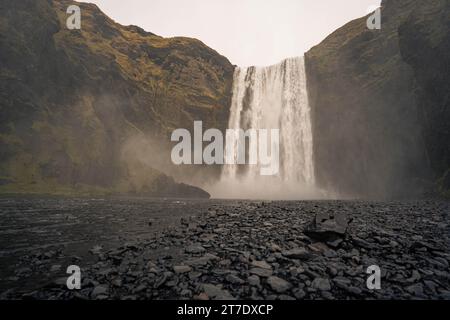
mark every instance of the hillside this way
{"type": "Point", "coordinates": [379, 100]}
{"type": "Point", "coordinates": [73, 101]}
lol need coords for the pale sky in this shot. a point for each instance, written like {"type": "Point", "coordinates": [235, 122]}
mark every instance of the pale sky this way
{"type": "Point", "coordinates": [247, 32]}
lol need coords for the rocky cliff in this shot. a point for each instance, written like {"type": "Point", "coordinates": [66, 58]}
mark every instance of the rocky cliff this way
{"type": "Point", "coordinates": [78, 106]}
{"type": "Point", "coordinates": [424, 40]}
{"type": "Point", "coordinates": [380, 100]}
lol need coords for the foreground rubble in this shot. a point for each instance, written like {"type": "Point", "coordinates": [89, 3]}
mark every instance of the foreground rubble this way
{"type": "Point", "coordinates": [255, 250]}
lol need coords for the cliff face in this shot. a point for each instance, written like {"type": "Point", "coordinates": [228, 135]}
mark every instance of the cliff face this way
{"type": "Point", "coordinates": [369, 91]}
{"type": "Point", "coordinates": [70, 100]}
{"type": "Point", "coordinates": [424, 40]}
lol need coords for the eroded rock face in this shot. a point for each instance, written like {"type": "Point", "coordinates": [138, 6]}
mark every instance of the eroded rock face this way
{"type": "Point", "coordinates": [71, 99]}
{"type": "Point", "coordinates": [373, 136]}
{"type": "Point", "coordinates": [424, 40]}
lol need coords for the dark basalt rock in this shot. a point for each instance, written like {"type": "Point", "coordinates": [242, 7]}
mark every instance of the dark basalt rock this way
{"type": "Point", "coordinates": [328, 226]}
{"type": "Point", "coordinates": [414, 257]}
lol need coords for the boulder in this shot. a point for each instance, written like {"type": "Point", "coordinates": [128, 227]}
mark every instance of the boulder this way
{"type": "Point", "coordinates": [328, 226]}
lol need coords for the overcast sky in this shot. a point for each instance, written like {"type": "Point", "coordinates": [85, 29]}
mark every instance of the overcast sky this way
{"type": "Point", "coordinates": [247, 32]}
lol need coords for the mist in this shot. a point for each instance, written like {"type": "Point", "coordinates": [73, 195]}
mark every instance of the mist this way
{"type": "Point", "coordinates": [265, 188]}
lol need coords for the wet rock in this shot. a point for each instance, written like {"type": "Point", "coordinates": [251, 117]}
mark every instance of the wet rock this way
{"type": "Point", "coordinates": [248, 258]}
{"type": "Point", "coordinates": [414, 277]}
{"type": "Point", "coordinates": [328, 226]}
{"type": "Point", "coordinates": [55, 268]}
{"type": "Point", "coordinates": [430, 286]}
{"type": "Point", "coordinates": [415, 290]}
{"type": "Point", "coordinates": [60, 282]}
{"type": "Point", "coordinates": [261, 265]}
{"type": "Point", "coordinates": [264, 273]}
{"type": "Point", "coordinates": [321, 284]}
{"type": "Point", "coordinates": [202, 261]}
{"type": "Point", "coordinates": [186, 293]}
{"type": "Point", "coordinates": [194, 275]}
{"type": "Point", "coordinates": [274, 247]}
{"type": "Point", "coordinates": [278, 285]}
{"type": "Point", "coordinates": [297, 253]}
{"type": "Point", "coordinates": [299, 293]}
{"type": "Point", "coordinates": [100, 290]}
{"type": "Point", "coordinates": [335, 244]}
{"type": "Point", "coordinates": [201, 297]}
{"type": "Point", "coordinates": [182, 269]}
{"type": "Point", "coordinates": [22, 272]}
{"type": "Point", "coordinates": [195, 249]}
{"type": "Point", "coordinates": [231, 278]}
{"type": "Point", "coordinates": [342, 282]}
{"type": "Point", "coordinates": [96, 250]}
{"type": "Point", "coordinates": [140, 288]}
{"type": "Point", "coordinates": [216, 293]}
{"type": "Point", "coordinates": [160, 281]}
{"type": "Point", "coordinates": [285, 297]}
{"type": "Point", "coordinates": [254, 280]}
{"type": "Point", "coordinates": [327, 295]}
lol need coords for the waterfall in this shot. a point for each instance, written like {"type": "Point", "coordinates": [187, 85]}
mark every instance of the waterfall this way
{"type": "Point", "coordinates": [275, 97]}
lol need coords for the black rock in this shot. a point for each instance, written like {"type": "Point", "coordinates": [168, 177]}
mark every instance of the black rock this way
{"type": "Point", "coordinates": [328, 226]}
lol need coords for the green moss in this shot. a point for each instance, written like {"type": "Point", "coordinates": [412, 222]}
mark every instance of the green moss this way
{"type": "Point", "coordinates": [65, 120]}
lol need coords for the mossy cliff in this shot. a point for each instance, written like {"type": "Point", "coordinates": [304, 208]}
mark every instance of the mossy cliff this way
{"type": "Point", "coordinates": [380, 100]}
{"type": "Point", "coordinates": [71, 99]}
{"type": "Point", "coordinates": [92, 110]}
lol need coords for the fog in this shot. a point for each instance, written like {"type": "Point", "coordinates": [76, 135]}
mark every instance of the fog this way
{"type": "Point", "coordinates": [264, 188]}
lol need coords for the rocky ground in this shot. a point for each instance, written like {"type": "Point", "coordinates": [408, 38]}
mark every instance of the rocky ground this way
{"type": "Point", "coordinates": [269, 250]}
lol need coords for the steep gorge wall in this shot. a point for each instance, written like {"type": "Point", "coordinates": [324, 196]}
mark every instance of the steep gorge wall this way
{"type": "Point", "coordinates": [70, 100]}
{"type": "Point", "coordinates": [368, 125]}
{"type": "Point", "coordinates": [424, 40]}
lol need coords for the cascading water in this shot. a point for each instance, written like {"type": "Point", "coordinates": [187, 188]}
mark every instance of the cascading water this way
{"type": "Point", "coordinates": [273, 97]}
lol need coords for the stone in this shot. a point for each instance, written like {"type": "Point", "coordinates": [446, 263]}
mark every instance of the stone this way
{"type": "Point", "coordinates": [299, 293]}
{"type": "Point", "coordinates": [326, 295]}
{"type": "Point", "coordinates": [194, 275]}
{"type": "Point", "coordinates": [264, 273]}
{"type": "Point", "coordinates": [254, 280]}
{"type": "Point", "coordinates": [160, 281]}
{"type": "Point", "coordinates": [335, 244]}
{"type": "Point", "coordinates": [321, 284]}
{"type": "Point", "coordinates": [285, 297]}
{"type": "Point", "coordinates": [99, 290]}
{"type": "Point", "coordinates": [354, 290]}
{"type": "Point", "coordinates": [55, 268]}
{"type": "Point", "coordinates": [231, 278]}
{"type": "Point", "coordinates": [262, 265]}
{"type": "Point", "coordinates": [342, 282]}
{"type": "Point", "coordinates": [186, 293]}
{"type": "Point", "coordinates": [414, 277]}
{"type": "Point", "coordinates": [201, 297]}
{"type": "Point", "coordinates": [328, 226]}
{"type": "Point", "coordinates": [60, 282]}
{"type": "Point", "coordinates": [182, 269]}
{"type": "Point", "coordinates": [430, 285]}
{"type": "Point", "coordinates": [195, 249]}
{"type": "Point", "coordinates": [202, 261]}
{"type": "Point", "coordinates": [216, 293]}
{"type": "Point", "coordinates": [278, 285]}
{"type": "Point", "coordinates": [297, 253]}
{"type": "Point", "coordinates": [415, 290]}
{"type": "Point", "coordinates": [96, 249]}
{"type": "Point", "coordinates": [274, 247]}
